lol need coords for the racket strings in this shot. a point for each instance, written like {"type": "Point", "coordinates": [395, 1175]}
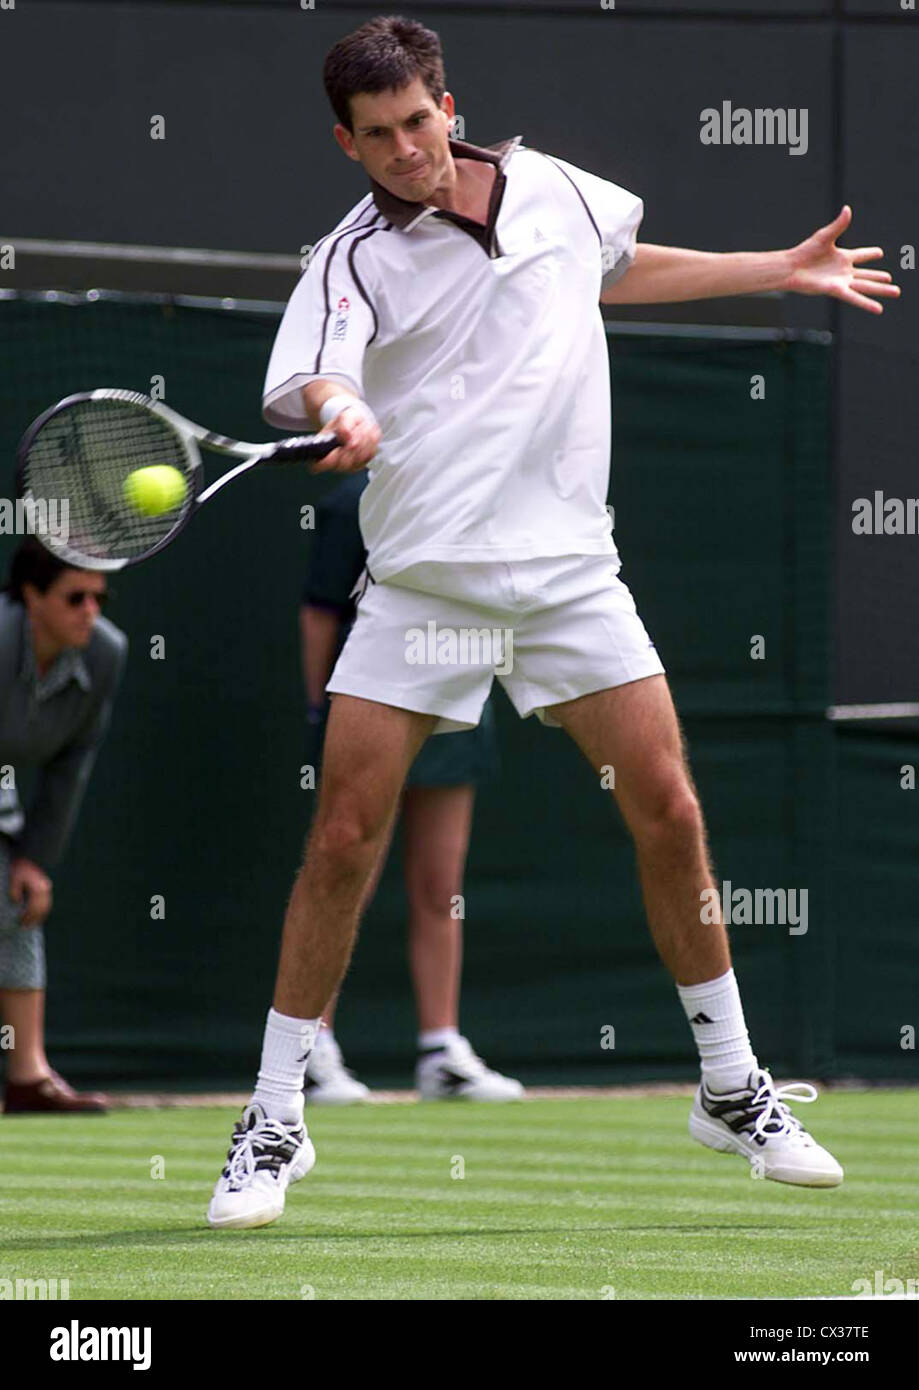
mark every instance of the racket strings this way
{"type": "Point", "coordinates": [83, 454]}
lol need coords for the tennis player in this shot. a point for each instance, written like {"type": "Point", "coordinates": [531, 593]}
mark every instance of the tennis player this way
{"type": "Point", "coordinates": [436, 814]}
{"type": "Point", "coordinates": [448, 331]}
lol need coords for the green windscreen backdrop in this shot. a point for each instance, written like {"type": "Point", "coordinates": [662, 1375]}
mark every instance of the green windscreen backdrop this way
{"type": "Point", "coordinates": [721, 494]}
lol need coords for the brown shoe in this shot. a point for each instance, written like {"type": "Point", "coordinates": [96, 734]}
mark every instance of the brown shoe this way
{"type": "Point", "coordinates": [51, 1095]}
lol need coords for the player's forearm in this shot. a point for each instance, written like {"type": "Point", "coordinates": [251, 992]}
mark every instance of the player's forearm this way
{"type": "Point", "coordinates": [316, 393]}
{"type": "Point", "coordinates": [671, 274]}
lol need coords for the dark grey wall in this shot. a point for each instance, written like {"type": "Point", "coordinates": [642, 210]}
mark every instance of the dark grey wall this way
{"type": "Point", "coordinates": [249, 163]}
{"type": "Point", "coordinates": [877, 600]}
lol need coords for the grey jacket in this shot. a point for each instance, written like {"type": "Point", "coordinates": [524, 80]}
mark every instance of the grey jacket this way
{"type": "Point", "coordinates": [55, 724]}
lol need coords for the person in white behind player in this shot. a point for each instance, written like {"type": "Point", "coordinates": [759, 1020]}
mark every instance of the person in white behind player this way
{"type": "Point", "coordinates": [448, 330]}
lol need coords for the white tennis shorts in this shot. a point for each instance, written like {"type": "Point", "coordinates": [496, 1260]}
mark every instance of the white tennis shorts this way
{"type": "Point", "coordinates": [433, 638]}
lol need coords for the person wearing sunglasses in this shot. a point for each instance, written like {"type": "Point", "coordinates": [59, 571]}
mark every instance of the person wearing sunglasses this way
{"type": "Point", "coordinates": [60, 667]}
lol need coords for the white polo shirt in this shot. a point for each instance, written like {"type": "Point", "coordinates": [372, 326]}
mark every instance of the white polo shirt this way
{"type": "Point", "coordinates": [481, 351]}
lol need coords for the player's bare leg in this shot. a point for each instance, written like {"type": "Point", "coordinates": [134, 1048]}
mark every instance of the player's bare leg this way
{"type": "Point", "coordinates": [368, 750]}
{"type": "Point", "coordinates": [328, 1080]}
{"type": "Point", "coordinates": [633, 729]}
{"type": "Point", "coordinates": [373, 883]}
{"type": "Point", "coordinates": [436, 823]}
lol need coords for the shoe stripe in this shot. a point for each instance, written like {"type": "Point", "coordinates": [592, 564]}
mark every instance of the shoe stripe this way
{"type": "Point", "coordinates": [452, 1080]}
{"type": "Point", "coordinates": [737, 1115]}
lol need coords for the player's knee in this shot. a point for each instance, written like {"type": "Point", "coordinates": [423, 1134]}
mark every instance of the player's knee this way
{"type": "Point", "coordinates": [672, 815]}
{"type": "Point", "coordinates": [346, 838]}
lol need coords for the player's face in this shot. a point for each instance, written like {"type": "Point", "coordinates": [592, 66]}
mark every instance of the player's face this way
{"type": "Point", "coordinates": [401, 139]}
{"type": "Point", "coordinates": [66, 613]}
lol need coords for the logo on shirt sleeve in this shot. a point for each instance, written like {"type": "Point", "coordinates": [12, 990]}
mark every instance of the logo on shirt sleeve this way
{"type": "Point", "coordinates": [340, 326]}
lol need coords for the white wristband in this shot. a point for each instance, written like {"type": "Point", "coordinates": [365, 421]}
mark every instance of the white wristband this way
{"type": "Point", "coordinates": [330, 409]}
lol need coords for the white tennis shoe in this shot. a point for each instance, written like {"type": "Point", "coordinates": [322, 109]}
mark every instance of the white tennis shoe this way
{"type": "Point", "coordinates": [265, 1156]}
{"type": "Point", "coordinates": [756, 1123]}
{"type": "Point", "coordinates": [454, 1072]}
{"type": "Point", "coordinates": [328, 1080]}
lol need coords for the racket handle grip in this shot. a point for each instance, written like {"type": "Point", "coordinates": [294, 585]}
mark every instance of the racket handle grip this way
{"type": "Point", "coordinates": [303, 447]}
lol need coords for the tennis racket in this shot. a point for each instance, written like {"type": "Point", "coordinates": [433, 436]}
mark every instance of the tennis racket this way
{"type": "Point", "coordinates": [83, 449]}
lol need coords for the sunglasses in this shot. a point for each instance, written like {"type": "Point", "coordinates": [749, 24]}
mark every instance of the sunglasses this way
{"type": "Point", "coordinates": [77, 597]}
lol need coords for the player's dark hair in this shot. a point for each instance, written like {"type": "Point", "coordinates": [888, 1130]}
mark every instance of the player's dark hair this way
{"type": "Point", "coordinates": [33, 564]}
{"type": "Point", "coordinates": [382, 55]}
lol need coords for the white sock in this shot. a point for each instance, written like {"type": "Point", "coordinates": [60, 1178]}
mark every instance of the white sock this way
{"type": "Point", "coordinates": [324, 1036]}
{"type": "Point", "coordinates": [434, 1039]}
{"type": "Point", "coordinates": [286, 1047]}
{"type": "Point", "coordinates": [716, 1018]}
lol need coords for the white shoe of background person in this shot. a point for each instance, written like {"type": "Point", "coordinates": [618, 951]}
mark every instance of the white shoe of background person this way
{"type": "Point", "coordinates": [328, 1080]}
{"type": "Point", "coordinates": [454, 1072]}
{"type": "Point", "coordinates": [756, 1123]}
{"type": "Point", "coordinates": [265, 1156]}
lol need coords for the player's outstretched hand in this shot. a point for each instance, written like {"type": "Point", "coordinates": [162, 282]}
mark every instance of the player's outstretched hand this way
{"type": "Point", "coordinates": [360, 437]}
{"type": "Point", "coordinates": [819, 266]}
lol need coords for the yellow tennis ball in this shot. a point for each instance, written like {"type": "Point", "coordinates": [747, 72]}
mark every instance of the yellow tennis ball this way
{"type": "Point", "coordinates": [156, 489]}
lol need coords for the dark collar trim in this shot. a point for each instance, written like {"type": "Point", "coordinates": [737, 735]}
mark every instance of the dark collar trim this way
{"type": "Point", "coordinates": [404, 214]}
